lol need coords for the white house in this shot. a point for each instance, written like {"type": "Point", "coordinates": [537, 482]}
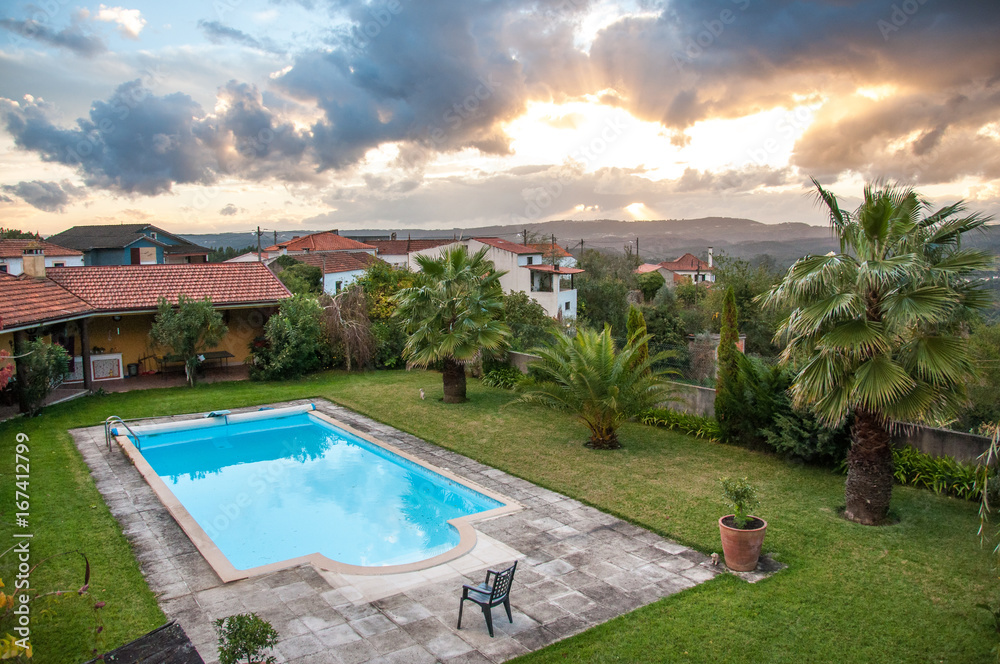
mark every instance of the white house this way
{"type": "Point", "coordinates": [549, 285]}
{"type": "Point", "coordinates": [690, 267]}
{"type": "Point", "coordinates": [340, 269]}
{"type": "Point", "coordinates": [12, 254]}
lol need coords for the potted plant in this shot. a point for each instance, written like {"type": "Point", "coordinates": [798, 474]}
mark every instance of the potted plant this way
{"type": "Point", "coordinates": [742, 534]}
{"type": "Point", "coordinates": [243, 638]}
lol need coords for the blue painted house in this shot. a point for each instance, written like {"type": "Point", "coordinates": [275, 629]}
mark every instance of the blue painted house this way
{"type": "Point", "coordinates": [130, 244]}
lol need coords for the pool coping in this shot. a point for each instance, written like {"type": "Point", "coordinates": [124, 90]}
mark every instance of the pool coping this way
{"type": "Point", "coordinates": [227, 572]}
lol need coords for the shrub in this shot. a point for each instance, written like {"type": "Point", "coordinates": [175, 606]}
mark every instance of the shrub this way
{"type": "Point", "coordinates": [245, 637]}
{"type": "Point", "coordinates": [503, 377]}
{"type": "Point", "coordinates": [942, 475]}
{"type": "Point", "coordinates": [650, 284]}
{"type": "Point", "coordinates": [799, 435]}
{"type": "Point", "coordinates": [295, 342]}
{"type": "Point", "coordinates": [42, 367]}
{"type": "Point", "coordinates": [699, 426]}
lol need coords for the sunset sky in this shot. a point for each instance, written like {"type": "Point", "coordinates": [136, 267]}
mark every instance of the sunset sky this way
{"type": "Point", "coordinates": [312, 114]}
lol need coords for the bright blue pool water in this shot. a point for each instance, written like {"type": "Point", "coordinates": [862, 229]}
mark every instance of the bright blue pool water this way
{"type": "Point", "coordinates": [275, 489]}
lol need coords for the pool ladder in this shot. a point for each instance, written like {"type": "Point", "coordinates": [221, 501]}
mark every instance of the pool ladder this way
{"type": "Point", "coordinates": [107, 431]}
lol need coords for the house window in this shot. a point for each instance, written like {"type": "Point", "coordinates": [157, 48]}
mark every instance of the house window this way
{"type": "Point", "coordinates": [531, 260]}
{"type": "Point", "coordinates": [339, 285]}
{"type": "Point", "coordinates": [566, 306]}
{"type": "Point", "coordinates": [153, 235]}
{"type": "Point", "coordinates": [59, 265]}
{"type": "Point", "coordinates": [3, 268]}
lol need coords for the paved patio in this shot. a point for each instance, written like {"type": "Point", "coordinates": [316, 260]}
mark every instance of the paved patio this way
{"type": "Point", "coordinates": [577, 567]}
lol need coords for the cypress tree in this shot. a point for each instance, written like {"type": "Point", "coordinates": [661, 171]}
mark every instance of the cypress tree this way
{"type": "Point", "coordinates": [728, 385]}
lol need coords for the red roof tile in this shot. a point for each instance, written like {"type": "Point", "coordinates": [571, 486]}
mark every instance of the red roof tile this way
{"type": "Point", "coordinates": [647, 267]}
{"type": "Point", "coordinates": [339, 261]}
{"type": "Point", "coordinates": [327, 241]}
{"type": "Point", "coordinates": [26, 300]}
{"type": "Point", "coordinates": [138, 287]}
{"type": "Point", "coordinates": [399, 247]}
{"type": "Point", "coordinates": [15, 248]}
{"type": "Point", "coordinates": [688, 263]}
{"type": "Point", "coordinates": [506, 245]}
{"type": "Point", "coordinates": [548, 248]}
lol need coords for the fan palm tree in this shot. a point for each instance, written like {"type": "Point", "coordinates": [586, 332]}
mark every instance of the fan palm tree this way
{"type": "Point", "coordinates": [603, 386]}
{"type": "Point", "coordinates": [451, 315]}
{"type": "Point", "coordinates": [875, 330]}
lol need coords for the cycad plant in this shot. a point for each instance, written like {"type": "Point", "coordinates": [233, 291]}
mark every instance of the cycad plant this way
{"type": "Point", "coordinates": [452, 314]}
{"type": "Point", "coordinates": [875, 330]}
{"type": "Point", "coordinates": [587, 375]}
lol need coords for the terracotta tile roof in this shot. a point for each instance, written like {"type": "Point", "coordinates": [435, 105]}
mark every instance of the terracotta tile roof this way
{"type": "Point", "coordinates": [327, 241]}
{"type": "Point", "coordinates": [548, 249]}
{"type": "Point", "coordinates": [15, 248]}
{"type": "Point", "coordinates": [339, 261]}
{"type": "Point", "coordinates": [506, 245]}
{"type": "Point", "coordinates": [137, 287]}
{"type": "Point", "coordinates": [555, 269]}
{"type": "Point", "coordinates": [647, 267]}
{"type": "Point", "coordinates": [398, 247]}
{"type": "Point", "coordinates": [26, 300]}
{"type": "Point", "coordinates": [688, 263]}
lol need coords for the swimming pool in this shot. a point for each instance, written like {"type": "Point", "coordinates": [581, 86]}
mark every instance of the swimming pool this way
{"type": "Point", "coordinates": [271, 489]}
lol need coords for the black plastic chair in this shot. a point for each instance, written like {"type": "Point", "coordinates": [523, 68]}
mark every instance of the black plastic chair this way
{"type": "Point", "coordinates": [487, 596]}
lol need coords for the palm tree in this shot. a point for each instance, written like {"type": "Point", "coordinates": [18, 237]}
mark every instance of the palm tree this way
{"type": "Point", "coordinates": [875, 330]}
{"type": "Point", "coordinates": [451, 315]}
{"type": "Point", "coordinates": [588, 376]}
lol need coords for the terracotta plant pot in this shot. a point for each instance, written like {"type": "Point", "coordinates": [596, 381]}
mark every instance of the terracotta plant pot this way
{"type": "Point", "coordinates": [741, 548]}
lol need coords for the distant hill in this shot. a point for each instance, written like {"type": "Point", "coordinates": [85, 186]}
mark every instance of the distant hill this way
{"type": "Point", "coordinates": [659, 240]}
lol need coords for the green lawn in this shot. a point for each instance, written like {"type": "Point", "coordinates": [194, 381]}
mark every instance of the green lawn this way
{"type": "Point", "coordinates": [902, 593]}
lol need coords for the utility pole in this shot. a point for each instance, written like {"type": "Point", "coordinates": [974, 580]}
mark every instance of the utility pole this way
{"type": "Point", "coordinates": [259, 259]}
{"type": "Point", "coordinates": [276, 237]}
{"type": "Point", "coordinates": [552, 249]}
{"type": "Point", "coordinates": [637, 246]}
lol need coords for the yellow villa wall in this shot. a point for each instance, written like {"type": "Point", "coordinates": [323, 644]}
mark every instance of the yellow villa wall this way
{"type": "Point", "coordinates": [130, 335]}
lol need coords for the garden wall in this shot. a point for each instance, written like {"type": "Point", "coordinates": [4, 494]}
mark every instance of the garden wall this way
{"type": "Point", "coordinates": [694, 399]}
{"type": "Point", "coordinates": [943, 442]}
{"type": "Point", "coordinates": [929, 440]}
{"type": "Point", "coordinates": [520, 360]}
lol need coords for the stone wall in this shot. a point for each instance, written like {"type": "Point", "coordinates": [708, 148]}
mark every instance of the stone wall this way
{"type": "Point", "coordinates": [960, 446]}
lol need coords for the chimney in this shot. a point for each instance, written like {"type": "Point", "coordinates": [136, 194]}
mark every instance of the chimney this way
{"type": "Point", "coordinates": [295, 237]}
{"type": "Point", "coordinates": [34, 260]}
{"type": "Point", "coordinates": [392, 237]}
{"type": "Point", "coordinates": [709, 257]}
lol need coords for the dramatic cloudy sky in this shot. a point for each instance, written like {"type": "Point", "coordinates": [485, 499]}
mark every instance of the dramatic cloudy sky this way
{"type": "Point", "coordinates": [209, 116]}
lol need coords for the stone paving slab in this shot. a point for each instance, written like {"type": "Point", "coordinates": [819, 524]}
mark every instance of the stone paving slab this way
{"type": "Point", "coordinates": [577, 567]}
